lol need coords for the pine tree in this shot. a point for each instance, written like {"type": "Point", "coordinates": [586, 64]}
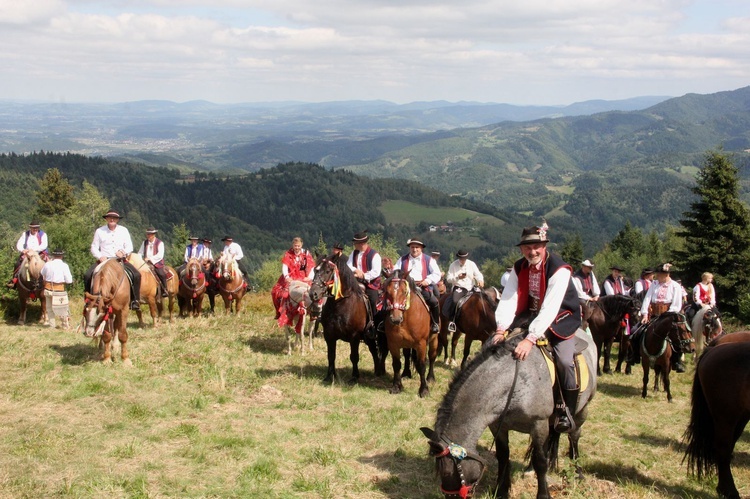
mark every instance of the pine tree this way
{"type": "Point", "coordinates": [572, 251]}
{"type": "Point", "coordinates": [716, 231]}
{"type": "Point", "coordinates": [55, 194]}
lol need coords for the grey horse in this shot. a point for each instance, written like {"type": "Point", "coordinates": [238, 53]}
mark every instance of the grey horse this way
{"type": "Point", "coordinates": [498, 391]}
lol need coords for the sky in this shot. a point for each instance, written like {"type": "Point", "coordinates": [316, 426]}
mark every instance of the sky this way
{"type": "Point", "coordinates": [530, 52]}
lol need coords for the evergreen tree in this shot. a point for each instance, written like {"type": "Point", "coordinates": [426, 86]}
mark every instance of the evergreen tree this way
{"type": "Point", "coordinates": [55, 194]}
{"type": "Point", "coordinates": [572, 251]}
{"type": "Point", "coordinates": [717, 232]}
{"type": "Point", "coordinates": [629, 242]}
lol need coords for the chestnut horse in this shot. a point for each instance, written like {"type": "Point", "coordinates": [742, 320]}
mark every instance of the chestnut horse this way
{"type": "Point", "coordinates": [719, 410]}
{"type": "Point", "coordinates": [150, 294]}
{"type": "Point", "coordinates": [231, 285]}
{"type": "Point", "coordinates": [30, 285]}
{"type": "Point", "coordinates": [106, 307]}
{"type": "Point", "coordinates": [475, 319]}
{"type": "Point", "coordinates": [656, 350]}
{"type": "Point", "coordinates": [408, 326]}
{"type": "Point", "coordinates": [344, 315]}
{"type": "Point", "coordinates": [192, 289]}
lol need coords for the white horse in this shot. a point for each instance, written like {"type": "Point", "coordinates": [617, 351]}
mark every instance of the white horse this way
{"type": "Point", "coordinates": [706, 326]}
{"type": "Point", "coordinates": [297, 306]}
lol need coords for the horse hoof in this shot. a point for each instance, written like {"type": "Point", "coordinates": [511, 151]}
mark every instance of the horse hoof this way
{"type": "Point", "coordinates": [127, 363]}
{"type": "Point", "coordinates": [394, 390]}
{"type": "Point", "coordinates": [352, 381]}
{"type": "Point", "coordinates": [424, 393]}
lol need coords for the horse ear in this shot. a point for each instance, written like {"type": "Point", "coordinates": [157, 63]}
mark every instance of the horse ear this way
{"type": "Point", "coordinates": [430, 433]}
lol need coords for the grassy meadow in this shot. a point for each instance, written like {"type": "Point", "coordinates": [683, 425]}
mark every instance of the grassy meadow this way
{"type": "Point", "coordinates": [214, 407]}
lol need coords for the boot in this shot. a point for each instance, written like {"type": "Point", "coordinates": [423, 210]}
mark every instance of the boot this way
{"type": "Point", "coordinates": [634, 355]}
{"type": "Point", "coordinates": [677, 364]}
{"type": "Point", "coordinates": [164, 292]}
{"type": "Point", "coordinates": [565, 422]}
{"type": "Point", "coordinates": [135, 305]}
{"type": "Point", "coordinates": [434, 320]}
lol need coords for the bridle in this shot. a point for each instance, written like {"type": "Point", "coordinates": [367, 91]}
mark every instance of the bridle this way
{"type": "Point", "coordinates": [401, 304]}
{"type": "Point", "coordinates": [675, 326]}
{"type": "Point", "coordinates": [190, 279]}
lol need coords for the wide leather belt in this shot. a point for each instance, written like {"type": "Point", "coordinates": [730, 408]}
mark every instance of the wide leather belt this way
{"type": "Point", "coordinates": [54, 286]}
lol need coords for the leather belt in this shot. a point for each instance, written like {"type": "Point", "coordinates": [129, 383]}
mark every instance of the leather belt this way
{"type": "Point", "coordinates": [54, 286]}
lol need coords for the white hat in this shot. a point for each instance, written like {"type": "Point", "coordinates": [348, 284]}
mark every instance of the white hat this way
{"type": "Point", "coordinates": [587, 263]}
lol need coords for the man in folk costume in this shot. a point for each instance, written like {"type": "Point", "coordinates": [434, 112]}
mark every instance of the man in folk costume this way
{"type": "Point", "coordinates": [423, 269]}
{"type": "Point", "coordinates": [664, 295]}
{"type": "Point", "coordinates": [194, 249]}
{"type": "Point", "coordinates": [585, 282]}
{"type": "Point", "coordinates": [463, 275]}
{"type": "Point", "coordinates": [206, 256]}
{"type": "Point", "coordinates": [366, 265]}
{"type": "Point", "coordinates": [297, 264]}
{"type": "Point", "coordinates": [337, 251]}
{"type": "Point", "coordinates": [703, 294]}
{"type": "Point", "coordinates": [152, 251]}
{"type": "Point", "coordinates": [436, 287]}
{"type": "Point", "coordinates": [234, 251]}
{"type": "Point", "coordinates": [541, 284]}
{"type": "Point", "coordinates": [614, 283]}
{"type": "Point", "coordinates": [644, 283]}
{"type": "Point", "coordinates": [56, 274]}
{"type": "Point", "coordinates": [33, 239]}
{"type": "Point", "coordinates": [113, 241]}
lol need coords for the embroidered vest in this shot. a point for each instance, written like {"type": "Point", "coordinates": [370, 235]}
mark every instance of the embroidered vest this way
{"type": "Point", "coordinates": [587, 282]}
{"type": "Point", "coordinates": [367, 265]}
{"type": "Point", "coordinates": [425, 265]}
{"type": "Point", "coordinates": [38, 238]}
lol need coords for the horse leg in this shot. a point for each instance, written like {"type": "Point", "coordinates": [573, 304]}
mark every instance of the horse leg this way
{"type": "Point", "coordinates": [421, 350]}
{"type": "Point", "coordinates": [454, 343]}
{"type": "Point", "coordinates": [331, 374]}
{"type": "Point", "coordinates": [598, 344]}
{"type": "Point", "coordinates": [22, 313]}
{"type": "Point", "coordinates": [645, 364]}
{"type": "Point", "coordinates": [502, 453]}
{"type": "Point", "coordinates": [542, 444]}
{"type": "Point", "coordinates": [432, 353]}
{"type": "Point", "coordinates": [727, 431]}
{"type": "Point", "coordinates": [289, 339]}
{"type": "Point", "coordinates": [665, 376]}
{"type": "Point", "coordinates": [122, 335]}
{"type": "Point", "coordinates": [657, 374]}
{"type": "Point", "coordinates": [354, 358]}
{"type": "Point", "coordinates": [442, 344]}
{"type": "Point", "coordinates": [467, 350]}
{"type": "Point", "coordinates": [607, 350]}
{"type": "Point", "coordinates": [44, 319]}
{"type": "Point", "coordinates": [375, 346]}
{"type": "Point", "coordinates": [107, 342]}
{"type": "Point", "coordinates": [407, 363]}
{"type": "Point", "coordinates": [396, 359]}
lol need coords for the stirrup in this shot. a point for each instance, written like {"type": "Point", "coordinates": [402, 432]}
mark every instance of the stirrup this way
{"type": "Point", "coordinates": [451, 327]}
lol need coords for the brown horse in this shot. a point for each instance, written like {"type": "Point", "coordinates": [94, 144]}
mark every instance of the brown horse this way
{"type": "Point", "coordinates": [344, 315]}
{"type": "Point", "coordinates": [106, 308]}
{"type": "Point", "coordinates": [173, 287]}
{"type": "Point", "coordinates": [656, 350]}
{"type": "Point", "coordinates": [720, 410]}
{"type": "Point", "coordinates": [150, 294]}
{"type": "Point", "coordinates": [231, 285]}
{"type": "Point", "coordinates": [608, 320]}
{"type": "Point", "coordinates": [192, 289]}
{"type": "Point", "coordinates": [408, 326]}
{"type": "Point", "coordinates": [30, 285]}
{"type": "Point", "coordinates": [475, 319]}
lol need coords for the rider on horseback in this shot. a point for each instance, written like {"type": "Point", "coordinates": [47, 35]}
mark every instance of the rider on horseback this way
{"type": "Point", "coordinates": [541, 284]}
{"type": "Point", "coordinates": [463, 275]}
{"type": "Point", "coordinates": [585, 282]}
{"type": "Point", "coordinates": [703, 294]}
{"type": "Point", "coordinates": [152, 251]}
{"type": "Point", "coordinates": [33, 239]}
{"type": "Point", "coordinates": [664, 295]}
{"type": "Point", "coordinates": [425, 272]}
{"type": "Point", "coordinates": [365, 263]}
{"type": "Point", "coordinates": [234, 251]}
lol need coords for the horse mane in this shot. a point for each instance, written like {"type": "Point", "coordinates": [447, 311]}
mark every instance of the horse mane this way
{"type": "Point", "coordinates": [616, 305]}
{"type": "Point", "coordinates": [348, 281]}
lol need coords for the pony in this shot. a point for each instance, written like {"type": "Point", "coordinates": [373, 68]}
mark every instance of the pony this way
{"type": "Point", "coordinates": [504, 393]}
{"type": "Point", "coordinates": [656, 350]}
{"type": "Point", "coordinates": [719, 411]}
{"type": "Point", "coordinates": [106, 307]}
{"type": "Point", "coordinates": [192, 289]}
{"type": "Point", "coordinates": [605, 318]}
{"type": "Point", "coordinates": [231, 285]}
{"type": "Point", "coordinates": [706, 326]}
{"type": "Point", "coordinates": [149, 289]}
{"type": "Point", "coordinates": [30, 285]}
{"type": "Point", "coordinates": [475, 319]}
{"type": "Point", "coordinates": [344, 315]}
{"type": "Point", "coordinates": [296, 302]}
{"type": "Point", "coordinates": [408, 326]}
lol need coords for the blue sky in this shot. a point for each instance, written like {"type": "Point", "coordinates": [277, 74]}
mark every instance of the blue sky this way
{"type": "Point", "coordinates": [227, 51]}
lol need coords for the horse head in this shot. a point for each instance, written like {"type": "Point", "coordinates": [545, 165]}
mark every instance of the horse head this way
{"type": "Point", "coordinates": [325, 275]}
{"type": "Point", "coordinates": [194, 272]}
{"type": "Point", "coordinates": [31, 269]}
{"type": "Point", "coordinates": [712, 326]}
{"type": "Point", "coordinates": [95, 314]}
{"type": "Point", "coordinates": [397, 295]}
{"type": "Point", "coordinates": [460, 470]}
{"type": "Point", "coordinates": [226, 268]}
{"type": "Point", "coordinates": [674, 325]}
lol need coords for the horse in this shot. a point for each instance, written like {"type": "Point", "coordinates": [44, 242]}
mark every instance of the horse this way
{"type": "Point", "coordinates": [706, 326]}
{"type": "Point", "coordinates": [106, 307]}
{"type": "Point", "coordinates": [605, 319]}
{"type": "Point", "coordinates": [344, 315]}
{"type": "Point", "coordinates": [656, 350]}
{"type": "Point", "coordinates": [30, 285]}
{"type": "Point", "coordinates": [408, 326]}
{"type": "Point", "coordinates": [231, 285]}
{"type": "Point", "coordinates": [173, 287]}
{"type": "Point", "coordinates": [295, 303]}
{"type": "Point", "coordinates": [150, 294]}
{"type": "Point", "coordinates": [192, 289]}
{"type": "Point", "coordinates": [475, 319]}
{"type": "Point", "coordinates": [719, 411]}
{"type": "Point", "coordinates": [501, 392]}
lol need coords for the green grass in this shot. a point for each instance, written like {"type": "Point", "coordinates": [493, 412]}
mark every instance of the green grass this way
{"type": "Point", "coordinates": [214, 408]}
{"type": "Point", "coordinates": [407, 213]}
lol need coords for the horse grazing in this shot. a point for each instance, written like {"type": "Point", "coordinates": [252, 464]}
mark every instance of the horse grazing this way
{"type": "Point", "coordinates": [192, 289]}
{"type": "Point", "coordinates": [295, 304]}
{"type": "Point", "coordinates": [30, 285]}
{"type": "Point", "coordinates": [408, 326]}
{"type": "Point", "coordinates": [344, 315]}
{"type": "Point", "coordinates": [475, 319]}
{"type": "Point", "coordinates": [706, 326]}
{"type": "Point", "coordinates": [605, 320]}
{"type": "Point", "coordinates": [501, 392]}
{"type": "Point", "coordinates": [231, 285]}
{"type": "Point", "coordinates": [656, 350]}
{"type": "Point", "coordinates": [719, 411]}
{"type": "Point", "coordinates": [105, 310]}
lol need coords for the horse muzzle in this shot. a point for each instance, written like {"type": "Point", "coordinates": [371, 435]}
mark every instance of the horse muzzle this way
{"type": "Point", "coordinates": [396, 318]}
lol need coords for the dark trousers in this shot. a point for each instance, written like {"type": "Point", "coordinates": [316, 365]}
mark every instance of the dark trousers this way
{"type": "Point", "coordinates": [432, 302]}
{"type": "Point", "coordinates": [372, 295]}
{"type": "Point", "coordinates": [161, 273]}
{"type": "Point", "coordinates": [453, 297]}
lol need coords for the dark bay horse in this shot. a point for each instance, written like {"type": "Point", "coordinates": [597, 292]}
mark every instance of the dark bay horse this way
{"type": "Point", "coordinates": [475, 319]}
{"type": "Point", "coordinates": [498, 391]}
{"type": "Point", "coordinates": [105, 311]}
{"type": "Point", "coordinates": [605, 319]}
{"type": "Point", "coordinates": [30, 285]}
{"type": "Point", "coordinates": [344, 315]}
{"type": "Point", "coordinates": [408, 326]}
{"type": "Point", "coordinates": [720, 410]}
{"type": "Point", "coordinates": [231, 285]}
{"type": "Point", "coordinates": [192, 289]}
{"type": "Point", "coordinates": [656, 350]}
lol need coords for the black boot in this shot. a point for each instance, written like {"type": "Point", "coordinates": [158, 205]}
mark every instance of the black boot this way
{"type": "Point", "coordinates": [677, 365]}
{"type": "Point", "coordinates": [434, 319]}
{"type": "Point", "coordinates": [634, 355]}
{"type": "Point", "coordinates": [565, 422]}
{"type": "Point", "coordinates": [135, 305]}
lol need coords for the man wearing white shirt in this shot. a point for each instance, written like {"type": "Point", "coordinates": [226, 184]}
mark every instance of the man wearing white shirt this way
{"type": "Point", "coordinates": [56, 274]}
{"type": "Point", "coordinates": [34, 239]}
{"type": "Point", "coordinates": [463, 275]}
{"type": "Point", "coordinates": [234, 251]}
{"type": "Point", "coordinates": [585, 282]}
{"type": "Point", "coordinates": [425, 272]}
{"type": "Point", "coordinates": [366, 265]}
{"type": "Point", "coordinates": [113, 241]}
{"type": "Point", "coordinates": [541, 284]}
{"type": "Point", "coordinates": [152, 251]}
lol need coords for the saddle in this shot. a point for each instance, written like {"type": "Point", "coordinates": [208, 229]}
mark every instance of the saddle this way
{"type": "Point", "coordinates": [582, 369]}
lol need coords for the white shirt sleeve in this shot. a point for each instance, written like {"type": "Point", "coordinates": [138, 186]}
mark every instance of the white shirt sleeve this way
{"type": "Point", "coordinates": [506, 308]}
{"type": "Point", "coordinates": [553, 298]}
{"type": "Point", "coordinates": [374, 272]}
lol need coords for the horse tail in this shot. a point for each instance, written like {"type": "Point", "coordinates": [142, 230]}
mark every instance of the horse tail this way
{"type": "Point", "coordinates": [552, 447]}
{"type": "Point", "coordinates": [699, 434]}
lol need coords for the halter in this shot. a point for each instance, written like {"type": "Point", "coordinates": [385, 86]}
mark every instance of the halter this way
{"type": "Point", "coordinates": [189, 283]}
{"type": "Point", "coordinates": [333, 284]}
{"type": "Point", "coordinates": [407, 296]}
{"type": "Point", "coordinates": [674, 326]}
